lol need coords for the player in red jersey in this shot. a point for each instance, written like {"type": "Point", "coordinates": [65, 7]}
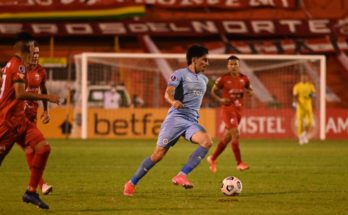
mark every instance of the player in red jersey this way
{"type": "Point", "coordinates": [14, 126]}
{"type": "Point", "coordinates": [35, 83]}
{"type": "Point", "coordinates": [233, 86]}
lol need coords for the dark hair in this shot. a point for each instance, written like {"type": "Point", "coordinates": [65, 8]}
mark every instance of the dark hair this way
{"type": "Point", "coordinates": [23, 41]}
{"type": "Point", "coordinates": [233, 57]}
{"type": "Point", "coordinates": [23, 37]}
{"type": "Point", "coordinates": [195, 51]}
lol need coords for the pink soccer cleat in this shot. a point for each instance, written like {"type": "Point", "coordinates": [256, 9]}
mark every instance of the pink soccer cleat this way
{"type": "Point", "coordinates": [242, 166]}
{"type": "Point", "coordinates": [212, 164]}
{"type": "Point", "coordinates": [129, 189]}
{"type": "Point", "coordinates": [182, 180]}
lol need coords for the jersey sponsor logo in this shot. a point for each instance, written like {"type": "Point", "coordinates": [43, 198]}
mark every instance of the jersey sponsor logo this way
{"type": "Point", "coordinates": [37, 76]}
{"type": "Point", "coordinates": [197, 92]}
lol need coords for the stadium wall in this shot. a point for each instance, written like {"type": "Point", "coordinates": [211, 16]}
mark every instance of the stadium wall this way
{"type": "Point", "coordinates": [144, 123]}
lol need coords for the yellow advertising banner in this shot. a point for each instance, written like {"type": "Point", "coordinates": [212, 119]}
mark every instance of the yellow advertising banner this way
{"type": "Point", "coordinates": [60, 124]}
{"type": "Point", "coordinates": [123, 123]}
{"type": "Point", "coordinates": [135, 123]}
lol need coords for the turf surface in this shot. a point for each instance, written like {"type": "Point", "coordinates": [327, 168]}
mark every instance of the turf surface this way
{"type": "Point", "coordinates": [88, 178]}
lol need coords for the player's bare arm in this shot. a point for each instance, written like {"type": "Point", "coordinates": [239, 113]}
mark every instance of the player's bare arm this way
{"type": "Point", "coordinates": [45, 117]}
{"type": "Point", "coordinates": [214, 91]}
{"type": "Point", "coordinates": [169, 97]}
{"type": "Point", "coordinates": [249, 90]}
{"type": "Point", "coordinates": [22, 94]}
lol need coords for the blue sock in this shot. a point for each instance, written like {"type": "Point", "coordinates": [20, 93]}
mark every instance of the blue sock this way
{"type": "Point", "coordinates": [144, 167]}
{"type": "Point", "coordinates": [194, 159]}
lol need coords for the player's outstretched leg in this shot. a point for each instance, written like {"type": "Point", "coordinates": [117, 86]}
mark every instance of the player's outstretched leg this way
{"type": "Point", "coordinates": [29, 155]}
{"type": "Point", "coordinates": [129, 189]}
{"type": "Point", "coordinates": [33, 198]}
{"type": "Point", "coordinates": [42, 151]}
{"type": "Point", "coordinates": [241, 166]}
{"type": "Point", "coordinates": [212, 164]}
{"type": "Point", "coordinates": [145, 166]}
{"type": "Point", "coordinates": [205, 143]}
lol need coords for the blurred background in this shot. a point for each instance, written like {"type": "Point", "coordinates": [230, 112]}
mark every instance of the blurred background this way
{"type": "Point", "coordinates": [65, 29]}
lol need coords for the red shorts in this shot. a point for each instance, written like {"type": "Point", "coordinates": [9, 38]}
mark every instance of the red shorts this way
{"type": "Point", "coordinates": [26, 134]}
{"type": "Point", "coordinates": [231, 118]}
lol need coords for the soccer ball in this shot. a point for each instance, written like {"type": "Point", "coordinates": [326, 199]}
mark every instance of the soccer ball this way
{"type": "Point", "coordinates": [231, 186]}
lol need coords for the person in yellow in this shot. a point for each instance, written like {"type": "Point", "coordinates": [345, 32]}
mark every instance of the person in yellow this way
{"type": "Point", "coordinates": [303, 93]}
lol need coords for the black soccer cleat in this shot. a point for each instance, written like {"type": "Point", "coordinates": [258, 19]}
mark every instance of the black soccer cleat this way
{"type": "Point", "coordinates": [33, 198]}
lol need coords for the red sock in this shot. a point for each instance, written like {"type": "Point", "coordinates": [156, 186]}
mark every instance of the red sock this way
{"type": "Point", "coordinates": [38, 165]}
{"type": "Point", "coordinates": [236, 151]}
{"type": "Point", "coordinates": [29, 155]}
{"type": "Point", "coordinates": [219, 149]}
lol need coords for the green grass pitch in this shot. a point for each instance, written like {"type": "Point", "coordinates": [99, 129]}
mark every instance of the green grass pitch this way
{"type": "Point", "coordinates": [88, 178]}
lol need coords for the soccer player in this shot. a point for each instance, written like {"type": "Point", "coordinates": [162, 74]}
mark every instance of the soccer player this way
{"type": "Point", "coordinates": [35, 82]}
{"type": "Point", "coordinates": [303, 93]}
{"type": "Point", "coordinates": [232, 85]}
{"type": "Point", "coordinates": [184, 93]}
{"type": "Point", "coordinates": [14, 125]}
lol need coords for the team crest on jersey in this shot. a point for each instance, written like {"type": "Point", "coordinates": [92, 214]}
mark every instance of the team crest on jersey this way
{"type": "Point", "coordinates": [173, 78]}
{"type": "Point", "coordinates": [165, 141]}
{"type": "Point", "coordinates": [21, 69]}
{"type": "Point", "coordinates": [242, 81]}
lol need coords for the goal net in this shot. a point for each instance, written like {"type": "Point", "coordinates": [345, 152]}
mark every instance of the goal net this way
{"type": "Point", "coordinates": [140, 81]}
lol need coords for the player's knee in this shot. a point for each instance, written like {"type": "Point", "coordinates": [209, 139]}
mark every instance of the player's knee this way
{"type": "Point", "coordinates": [207, 142]}
{"type": "Point", "coordinates": [158, 154]}
{"type": "Point", "coordinates": [28, 150]}
{"type": "Point", "coordinates": [227, 138]}
{"type": "Point", "coordinates": [43, 150]}
{"type": "Point", "coordinates": [234, 134]}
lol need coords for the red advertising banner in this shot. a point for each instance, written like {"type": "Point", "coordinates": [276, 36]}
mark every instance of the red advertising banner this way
{"type": "Point", "coordinates": [24, 10]}
{"type": "Point", "coordinates": [263, 124]}
{"type": "Point", "coordinates": [16, 6]}
{"type": "Point", "coordinates": [337, 124]}
{"type": "Point", "coordinates": [250, 28]}
{"type": "Point", "coordinates": [223, 4]}
{"type": "Point", "coordinates": [279, 124]}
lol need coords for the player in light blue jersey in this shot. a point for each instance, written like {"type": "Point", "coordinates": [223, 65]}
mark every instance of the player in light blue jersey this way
{"type": "Point", "coordinates": [184, 92]}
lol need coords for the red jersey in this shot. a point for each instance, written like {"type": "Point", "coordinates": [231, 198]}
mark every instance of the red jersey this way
{"type": "Point", "coordinates": [233, 89]}
{"type": "Point", "coordinates": [34, 79]}
{"type": "Point", "coordinates": [11, 109]}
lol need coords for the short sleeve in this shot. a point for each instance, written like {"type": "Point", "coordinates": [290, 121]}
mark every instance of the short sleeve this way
{"type": "Point", "coordinates": [18, 71]}
{"type": "Point", "coordinates": [247, 82]}
{"type": "Point", "coordinates": [175, 79]}
{"type": "Point", "coordinates": [43, 75]}
{"type": "Point", "coordinates": [219, 82]}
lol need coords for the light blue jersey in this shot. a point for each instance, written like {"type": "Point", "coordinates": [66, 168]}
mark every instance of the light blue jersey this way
{"type": "Point", "coordinates": [189, 89]}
